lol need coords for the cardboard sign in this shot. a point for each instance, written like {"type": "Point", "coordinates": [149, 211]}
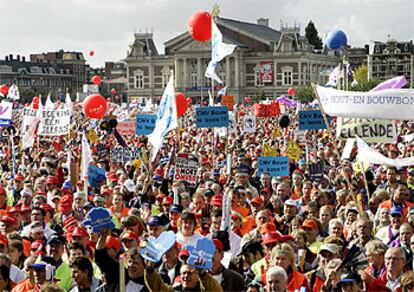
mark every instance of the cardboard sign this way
{"type": "Point", "coordinates": [371, 131]}
{"type": "Point", "coordinates": [249, 124]}
{"type": "Point", "coordinates": [293, 151]}
{"type": "Point", "coordinates": [274, 165]}
{"type": "Point", "coordinates": [145, 124]}
{"type": "Point", "coordinates": [5, 113]}
{"type": "Point", "coordinates": [269, 151]}
{"type": "Point", "coordinates": [126, 127]}
{"type": "Point", "coordinates": [157, 247]}
{"type": "Point", "coordinates": [316, 172]}
{"type": "Point", "coordinates": [266, 71]}
{"type": "Point", "coordinates": [276, 133]}
{"type": "Point", "coordinates": [99, 218]}
{"type": "Point", "coordinates": [29, 116]}
{"type": "Point", "coordinates": [212, 116]}
{"type": "Point", "coordinates": [95, 174]}
{"type": "Point", "coordinates": [123, 154]}
{"type": "Point", "coordinates": [55, 122]}
{"type": "Point", "coordinates": [201, 255]}
{"type": "Point", "coordinates": [228, 100]}
{"type": "Point", "coordinates": [186, 168]}
{"type": "Point", "coordinates": [311, 120]}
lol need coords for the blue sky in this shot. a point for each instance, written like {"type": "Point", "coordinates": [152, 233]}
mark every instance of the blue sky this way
{"type": "Point", "coordinates": [107, 26]}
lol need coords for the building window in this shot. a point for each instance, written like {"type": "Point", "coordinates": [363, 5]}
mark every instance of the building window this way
{"type": "Point", "coordinates": [139, 79]}
{"type": "Point", "coordinates": [165, 72]}
{"type": "Point", "coordinates": [193, 79]}
{"type": "Point", "coordinates": [287, 77]}
{"type": "Point", "coordinates": [257, 79]}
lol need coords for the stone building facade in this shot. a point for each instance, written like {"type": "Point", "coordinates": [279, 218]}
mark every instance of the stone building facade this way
{"type": "Point", "coordinates": [265, 60]}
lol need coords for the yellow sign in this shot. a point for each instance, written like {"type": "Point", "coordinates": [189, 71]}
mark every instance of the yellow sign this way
{"type": "Point", "coordinates": [276, 133]}
{"type": "Point", "coordinates": [359, 166]}
{"type": "Point", "coordinates": [137, 163]}
{"type": "Point", "coordinates": [293, 151]}
{"type": "Point", "coordinates": [92, 136]}
{"type": "Point", "coordinates": [269, 151]}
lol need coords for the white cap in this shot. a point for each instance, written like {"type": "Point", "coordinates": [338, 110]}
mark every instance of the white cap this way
{"type": "Point", "coordinates": [26, 192]}
{"type": "Point", "coordinates": [129, 185]}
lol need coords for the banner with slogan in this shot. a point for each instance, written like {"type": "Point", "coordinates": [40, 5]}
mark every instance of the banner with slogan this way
{"type": "Point", "coordinates": [228, 100]}
{"type": "Point", "coordinates": [55, 122]}
{"type": "Point", "coordinates": [249, 124]}
{"type": "Point", "coordinates": [212, 116]}
{"type": "Point", "coordinates": [5, 113]}
{"type": "Point", "coordinates": [371, 131]}
{"type": "Point", "coordinates": [186, 168]}
{"type": "Point", "coordinates": [266, 110]}
{"type": "Point", "coordinates": [311, 120]}
{"type": "Point", "coordinates": [126, 127]}
{"type": "Point", "coordinates": [274, 165]}
{"type": "Point", "coordinates": [393, 104]}
{"type": "Point", "coordinates": [95, 174]}
{"type": "Point", "coordinates": [29, 115]}
{"type": "Point", "coordinates": [145, 124]}
{"type": "Point", "coordinates": [125, 154]}
{"type": "Point", "coordinates": [266, 71]}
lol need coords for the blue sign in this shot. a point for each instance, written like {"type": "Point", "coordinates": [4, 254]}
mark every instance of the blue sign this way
{"type": "Point", "coordinates": [157, 247]}
{"type": "Point", "coordinates": [212, 116]}
{"type": "Point", "coordinates": [99, 218]}
{"type": "Point", "coordinates": [95, 174]}
{"type": "Point", "coordinates": [145, 124]}
{"type": "Point", "coordinates": [274, 165]}
{"type": "Point", "coordinates": [201, 255]}
{"type": "Point", "coordinates": [5, 122]}
{"type": "Point", "coordinates": [311, 120]}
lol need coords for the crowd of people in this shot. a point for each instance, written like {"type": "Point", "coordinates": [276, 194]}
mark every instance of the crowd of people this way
{"type": "Point", "coordinates": [351, 229]}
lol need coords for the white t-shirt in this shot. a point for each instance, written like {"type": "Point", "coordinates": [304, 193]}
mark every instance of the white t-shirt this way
{"type": "Point", "coordinates": [188, 240]}
{"type": "Point", "coordinates": [16, 275]}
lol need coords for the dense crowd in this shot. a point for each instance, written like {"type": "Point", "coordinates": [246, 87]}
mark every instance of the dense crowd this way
{"type": "Point", "coordinates": [351, 229]}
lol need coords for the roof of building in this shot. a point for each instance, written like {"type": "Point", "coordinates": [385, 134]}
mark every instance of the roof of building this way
{"type": "Point", "coordinates": [45, 67]}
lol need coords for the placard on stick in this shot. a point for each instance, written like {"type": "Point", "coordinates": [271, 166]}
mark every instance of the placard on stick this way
{"type": "Point", "coordinates": [186, 168]}
{"type": "Point", "coordinates": [125, 154]}
{"type": "Point", "coordinates": [212, 116]}
{"type": "Point", "coordinates": [274, 165]}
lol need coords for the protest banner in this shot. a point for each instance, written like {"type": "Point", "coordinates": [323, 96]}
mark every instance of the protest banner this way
{"type": "Point", "coordinates": [394, 104]}
{"type": "Point", "coordinates": [95, 174]}
{"type": "Point", "coordinates": [212, 116]}
{"type": "Point", "coordinates": [186, 168]}
{"type": "Point", "coordinates": [55, 122]}
{"type": "Point", "coordinates": [125, 154]}
{"type": "Point", "coordinates": [371, 131]}
{"type": "Point", "coordinates": [145, 124]}
{"type": "Point", "coordinates": [29, 116]}
{"type": "Point", "coordinates": [311, 120]}
{"type": "Point", "coordinates": [266, 71]}
{"type": "Point", "coordinates": [201, 255]}
{"type": "Point", "coordinates": [99, 218]}
{"type": "Point", "coordinates": [157, 247]}
{"type": "Point", "coordinates": [266, 110]}
{"type": "Point", "coordinates": [5, 113]}
{"type": "Point", "coordinates": [274, 165]}
{"type": "Point", "coordinates": [249, 124]}
{"type": "Point", "coordinates": [126, 127]}
{"type": "Point", "coordinates": [316, 171]}
{"type": "Point", "coordinates": [228, 100]}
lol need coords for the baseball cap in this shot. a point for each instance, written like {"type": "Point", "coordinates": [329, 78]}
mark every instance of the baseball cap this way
{"type": "Point", "coordinates": [270, 237]}
{"type": "Point", "coordinates": [309, 223]}
{"type": "Point", "coordinates": [55, 239]}
{"type": "Point", "coordinates": [257, 200]}
{"type": "Point", "coordinates": [129, 185]}
{"type": "Point", "coordinates": [38, 265]}
{"type": "Point", "coordinates": [330, 247]}
{"type": "Point", "coordinates": [291, 202]}
{"type": "Point", "coordinates": [396, 210]}
{"type": "Point", "coordinates": [113, 242]}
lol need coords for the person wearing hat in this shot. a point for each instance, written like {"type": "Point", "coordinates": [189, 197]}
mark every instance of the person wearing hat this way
{"type": "Point", "coordinates": [4, 207]}
{"type": "Point", "coordinates": [174, 215]}
{"type": "Point", "coordinates": [270, 240]}
{"type": "Point", "coordinates": [54, 249]}
{"type": "Point", "coordinates": [156, 225]}
{"type": "Point", "coordinates": [80, 235]}
{"type": "Point", "coordinates": [37, 276]}
{"type": "Point", "coordinates": [290, 210]}
{"type": "Point", "coordinates": [310, 226]}
{"type": "Point", "coordinates": [129, 239]}
{"type": "Point", "coordinates": [8, 224]}
{"type": "Point", "coordinates": [390, 234]}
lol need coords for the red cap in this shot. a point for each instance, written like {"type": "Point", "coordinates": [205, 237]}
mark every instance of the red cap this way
{"type": "Point", "coordinates": [184, 254]}
{"type": "Point", "coordinates": [286, 238]}
{"type": "Point", "coordinates": [3, 239]}
{"type": "Point", "coordinates": [79, 232]}
{"type": "Point", "coordinates": [8, 219]}
{"type": "Point", "coordinates": [271, 237]}
{"type": "Point", "coordinates": [167, 200]}
{"type": "Point", "coordinates": [218, 244]}
{"type": "Point", "coordinates": [107, 191]}
{"type": "Point", "coordinates": [64, 206]}
{"type": "Point", "coordinates": [266, 190]}
{"type": "Point", "coordinates": [309, 223]}
{"type": "Point", "coordinates": [159, 172]}
{"type": "Point", "coordinates": [257, 200]}
{"type": "Point", "coordinates": [69, 221]}
{"type": "Point", "coordinates": [113, 242]}
{"type": "Point", "coordinates": [19, 177]}
{"type": "Point", "coordinates": [25, 209]}
{"type": "Point", "coordinates": [267, 227]}
{"type": "Point", "coordinates": [217, 200]}
{"type": "Point", "coordinates": [52, 180]}
{"type": "Point", "coordinates": [14, 210]}
{"type": "Point", "coordinates": [35, 246]}
{"type": "Point", "coordinates": [47, 207]}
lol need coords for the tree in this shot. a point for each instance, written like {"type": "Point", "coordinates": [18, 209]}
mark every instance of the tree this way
{"type": "Point", "coordinates": [305, 94]}
{"type": "Point", "coordinates": [311, 33]}
{"type": "Point", "coordinates": [361, 79]}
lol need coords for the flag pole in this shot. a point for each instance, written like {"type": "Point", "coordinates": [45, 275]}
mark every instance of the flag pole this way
{"type": "Point", "coordinates": [328, 128]}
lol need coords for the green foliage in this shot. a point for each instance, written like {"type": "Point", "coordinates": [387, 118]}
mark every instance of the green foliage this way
{"type": "Point", "coordinates": [305, 94]}
{"type": "Point", "coordinates": [260, 95]}
{"type": "Point", "coordinates": [361, 77]}
{"type": "Point", "coordinates": [311, 33]}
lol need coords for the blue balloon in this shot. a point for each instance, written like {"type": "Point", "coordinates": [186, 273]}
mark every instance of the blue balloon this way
{"type": "Point", "coordinates": [336, 40]}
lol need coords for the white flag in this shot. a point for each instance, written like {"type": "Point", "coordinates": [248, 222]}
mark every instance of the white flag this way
{"type": "Point", "coordinates": [166, 117]}
{"type": "Point", "coordinates": [68, 101]}
{"type": "Point", "coordinates": [210, 99]}
{"type": "Point", "coordinates": [219, 51]}
{"type": "Point", "coordinates": [28, 138]}
{"type": "Point", "coordinates": [49, 103]}
{"type": "Point", "coordinates": [14, 92]}
{"type": "Point", "coordinates": [86, 157]}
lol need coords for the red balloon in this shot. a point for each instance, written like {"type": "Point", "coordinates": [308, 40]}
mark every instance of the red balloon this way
{"type": "Point", "coordinates": [248, 99]}
{"type": "Point", "coordinates": [181, 102]}
{"type": "Point", "coordinates": [35, 102]}
{"type": "Point", "coordinates": [91, 53]}
{"type": "Point", "coordinates": [96, 79]}
{"type": "Point", "coordinates": [94, 106]}
{"type": "Point", "coordinates": [109, 99]}
{"type": "Point", "coordinates": [291, 91]}
{"type": "Point", "coordinates": [113, 91]}
{"type": "Point", "coordinates": [4, 89]}
{"type": "Point", "coordinates": [199, 26]}
{"type": "Point", "coordinates": [189, 100]}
